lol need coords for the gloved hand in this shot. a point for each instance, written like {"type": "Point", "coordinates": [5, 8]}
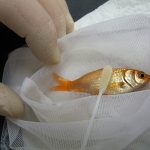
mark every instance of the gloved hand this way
{"type": "Point", "coordinates": [41, 23]}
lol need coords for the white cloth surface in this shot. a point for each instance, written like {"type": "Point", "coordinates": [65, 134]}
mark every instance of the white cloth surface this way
{"type": "Point", "coordinates": [114, 9]}
{"type": "Point", "coordinates": [122, 121]}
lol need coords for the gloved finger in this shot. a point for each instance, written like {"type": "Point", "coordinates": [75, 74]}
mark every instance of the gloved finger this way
{"type": "Point", "coordinates": [69, 19]}
{"type": "Point", "coordinates": [56, 13]}
{"type": "Point", "coordinates": [10, 103]}
{"type": "Point", "coordinates": [30, 20]}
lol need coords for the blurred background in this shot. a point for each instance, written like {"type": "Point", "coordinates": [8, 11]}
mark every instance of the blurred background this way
{"type": "Point", "coordinates": [10, 41]}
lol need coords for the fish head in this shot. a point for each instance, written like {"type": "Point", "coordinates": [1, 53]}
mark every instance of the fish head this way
{"type": "Point", "coordinates": [136, 78]}
{"type": "Point", "coordinates": [141, 77]}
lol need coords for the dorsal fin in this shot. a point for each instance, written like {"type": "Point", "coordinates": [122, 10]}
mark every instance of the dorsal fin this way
{"type": "Point", "coordinates": [60, 80]}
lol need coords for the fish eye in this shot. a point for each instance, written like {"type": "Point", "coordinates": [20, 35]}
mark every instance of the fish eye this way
{"type": "Point", "coordinates": [141, 75]}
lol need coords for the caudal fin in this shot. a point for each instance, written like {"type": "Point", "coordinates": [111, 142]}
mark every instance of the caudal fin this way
{"type": "Point", "coordinates": [63, 84]}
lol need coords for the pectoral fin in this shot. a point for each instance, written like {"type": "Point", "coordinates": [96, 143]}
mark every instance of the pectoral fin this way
{"type": "Point", "coordinates": [116, 85]}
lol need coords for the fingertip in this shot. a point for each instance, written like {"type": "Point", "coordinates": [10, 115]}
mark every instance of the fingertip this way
{"type": "Point", "coordinates": [54, 57]}
{"type": "Point", "coordinates": [11, 104]}
{"type": "Point", "coordinates": [43, 43]}
{"type": "Point", "coordinates": [69, 19]}
{"type": "Point", "coordinates": [70, 24]}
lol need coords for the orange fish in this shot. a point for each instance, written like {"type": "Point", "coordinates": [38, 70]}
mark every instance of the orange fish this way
{"type": "Point", "coordinates": [122, 81]}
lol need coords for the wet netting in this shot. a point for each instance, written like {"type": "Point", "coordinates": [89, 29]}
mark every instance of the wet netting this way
{"type": "Point", "coordinates": [79, 121]}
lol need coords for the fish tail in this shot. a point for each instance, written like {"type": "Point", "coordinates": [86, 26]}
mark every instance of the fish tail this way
{"type": "Point", "coordinates": [63, 84]}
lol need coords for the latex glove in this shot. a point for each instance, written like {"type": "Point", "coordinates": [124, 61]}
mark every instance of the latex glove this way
{"type": "Point", "coordinates": [41, 23]}
{"type": "Point", "coordinates": [10, 103]}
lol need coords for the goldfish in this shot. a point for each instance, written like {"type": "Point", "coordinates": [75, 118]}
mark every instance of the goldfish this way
{"type": "Point", "coordinates": [122, 80]}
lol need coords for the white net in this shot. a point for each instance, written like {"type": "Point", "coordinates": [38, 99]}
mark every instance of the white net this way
{"type": "Point", "coordinates": [59, 120]}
